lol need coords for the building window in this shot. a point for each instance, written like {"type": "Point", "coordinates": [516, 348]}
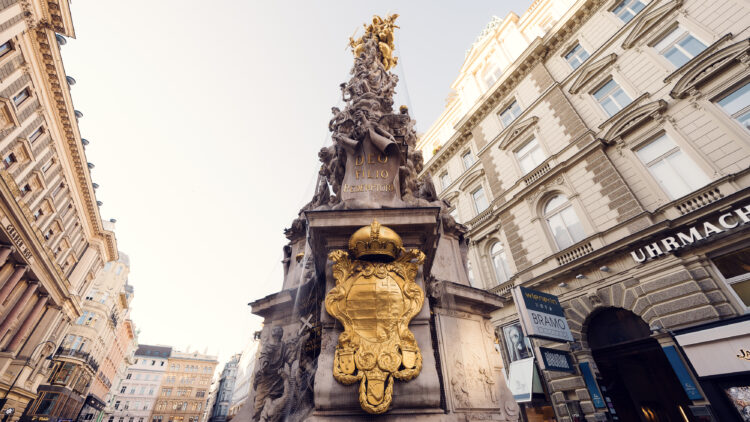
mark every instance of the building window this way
{"type": "Point", "coordinates": [563, 222]}
{"type": "Point", "coordinates": [38, 213]}
{"type": "Point", "coordinates": [675, 172]}
{"type": "Point", "coordinates": [47, 404]}
{"type": "Point", "coordinates": [9, 160]}
{"type": "Point", "coordinates": [491, 74]}
{"type": "Point", "coordinates": [117, 405]}
{"type": "Point", "coordinates": [445, 180]}
{"type": "Point", "coordinates": [737, 105]}
{"type": "Point", "coordinates": [530, 156]}
{"type": "Point", "coordinates": [734, 268]}
{"type": "Point", "coordinates": [21, 97]}
{"type": "Point", "coordinates": [500, 262]}
{"type": "Point", "coordinates": [480, 200]}
{"type": "Point", "coordinates": [468, 159]}
{"type": "Point", "coordinates": [36, 134]}
{"type": "Point", "coordinates": [627, 9]}
{"type": "Point", "coordinates": [611, 97]}
{"type": "Point", "coordinates": [510, 114]}
{"type": "Point", "coordinates": [122, 390]}
{"type": "Point", "coordinates": [454, 214]}
{"type": "Point", "coordinates": [47, 165]}
{"type": "Point", "coordinates": [679, 46]}
{"type": "Point", "coordinates": [6, 48]}
{"type": "Point", "coordinates": [128, 376]}
{"type": "Point", "coordinates": [576, 56]}
{"type": "Point", "coordinates": [25, 189]}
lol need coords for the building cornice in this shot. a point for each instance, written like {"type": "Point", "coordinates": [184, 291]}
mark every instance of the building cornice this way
{"type": "Point", "coordinates": [43, 39]}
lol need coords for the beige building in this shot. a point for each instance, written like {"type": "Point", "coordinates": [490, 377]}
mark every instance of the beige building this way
{"type": "Point", "coordinates": [184, 390]}
{"type": "Point", "coordinates": [100, 341]}
{"type": "Point", "coordinates": [607, 163]}
{"type": "Point", "coordinates": [52, 240]}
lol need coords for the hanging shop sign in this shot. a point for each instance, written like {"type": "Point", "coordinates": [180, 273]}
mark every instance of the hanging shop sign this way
{"type": "Point", "coordinates": [556, 360]}
{"type": "Point", "coordinates": [682, 373]}
{"type": "Point", "coordinates": [692, 234]}
{"type": "Point", "coordinates": [591, 385]}
{"type": "Point", "coordinates": [541, 315]}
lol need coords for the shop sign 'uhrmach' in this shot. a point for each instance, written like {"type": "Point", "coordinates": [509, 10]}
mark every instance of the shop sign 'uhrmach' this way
{"type": "Point", "coordinates": [692, 234]}
{"type": "Point", "coordinates": [541, 315]}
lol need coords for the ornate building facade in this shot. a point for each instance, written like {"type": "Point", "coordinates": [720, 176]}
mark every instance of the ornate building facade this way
{"type": "Point", "coordinates": [225, 390]}
{"type": "Point", "coordinates": [134, 392]}
{"type": "Point", "coordinates": [608, 163]}
{"type": "Point", "coordinates": [100, 341]}
{"type": "Point", "coordinates": [184, 389]}
{"type": "Point", "coordinates": [52, 240]}
{"type": "Point", "coordinates": [243, 382]}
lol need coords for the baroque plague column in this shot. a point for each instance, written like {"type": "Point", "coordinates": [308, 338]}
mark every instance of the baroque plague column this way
{"type": "Point", "coordinates": [52, 239]}
{"type": "Point", "coordinates": [376, 319]}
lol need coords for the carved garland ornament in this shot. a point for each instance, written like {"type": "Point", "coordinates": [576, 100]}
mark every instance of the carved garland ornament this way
{"type": "Point", "coordinates": [375, 298]}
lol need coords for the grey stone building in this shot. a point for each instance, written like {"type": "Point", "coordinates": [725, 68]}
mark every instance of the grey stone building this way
{"type": "Point", "coordinates": [225, 390]}
{"type": "Point", "coordinates": [608, 163]}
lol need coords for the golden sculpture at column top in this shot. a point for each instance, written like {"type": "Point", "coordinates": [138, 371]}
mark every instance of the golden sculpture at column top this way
{"type": "Point", "coordinates": [382, 31]}
{"type": "Point", "coordinates": [375, 298]}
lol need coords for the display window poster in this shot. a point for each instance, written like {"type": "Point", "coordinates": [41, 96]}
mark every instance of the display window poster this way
{"type": "Point", "coordinates": [521, 379]}
{"type": "Point", "coordinates": [739, 396]}
{"type": "Point", "coordinates": [517, 344]}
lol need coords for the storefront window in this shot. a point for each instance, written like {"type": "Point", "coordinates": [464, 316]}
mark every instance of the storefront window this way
{"type": "Point", "coordinates": [47, 404]}
{"type": "Point", "coordinates": [735, 268]}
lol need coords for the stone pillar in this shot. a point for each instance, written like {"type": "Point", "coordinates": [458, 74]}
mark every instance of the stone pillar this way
{"type": "Point", "coordinates": [18, 307]}
{"type": "Point", "coordinates": [4, 254]}
{"type": "Point", "coordinates": [31, 319]}
{"type": "Point", "coordinates": [12, 281]}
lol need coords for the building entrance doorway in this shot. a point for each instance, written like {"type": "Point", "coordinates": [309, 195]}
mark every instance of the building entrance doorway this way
{"type": "Point", "coordinates": [636, 374]}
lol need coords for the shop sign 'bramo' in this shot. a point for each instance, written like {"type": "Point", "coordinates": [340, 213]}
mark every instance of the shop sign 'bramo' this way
{"type": "Point", "coordinates": [541, 315]}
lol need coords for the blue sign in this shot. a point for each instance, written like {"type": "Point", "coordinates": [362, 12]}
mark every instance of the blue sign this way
{"type": "Point", "coordinates": [682, 373]}
{"type": "Point", "coordinates": [556, 360]}
{"type": "Point", "coordinates": [541, 302]}
{"type": "Point", "coordinates": [592, 386]}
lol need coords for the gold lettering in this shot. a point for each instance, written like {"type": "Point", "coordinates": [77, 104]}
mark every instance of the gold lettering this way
{"type": "Point", "coordinates": [383, 158]}
{"type": "Point", "coordinates": [359, 160]}
{"type": "Point", "coordinates": [384, 173]}
{"type": "Point", "coordinates": [356, 174]}
{"type": "Point", "coordinates": [369, 159]}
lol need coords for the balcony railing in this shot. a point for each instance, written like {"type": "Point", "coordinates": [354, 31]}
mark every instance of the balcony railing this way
{"type": "Point", "coordinates": [699, 200]}
{"type": "Point", "coordinates": [85, 357]}
{"type": "Point", "coordinates": [570, 255]}
{"type": "Point", "coordinates": [537, 173]}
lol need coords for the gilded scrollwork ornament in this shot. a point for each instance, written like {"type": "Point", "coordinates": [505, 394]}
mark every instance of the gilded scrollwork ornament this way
{"type": "Point", "coordinates": [375, 298]}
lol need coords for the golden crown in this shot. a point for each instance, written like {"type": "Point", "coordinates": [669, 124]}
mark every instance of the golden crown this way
{"type": "Point", "coordinates": [375, 241]}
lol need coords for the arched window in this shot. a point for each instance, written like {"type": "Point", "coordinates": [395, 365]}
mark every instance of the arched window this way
{"type": "Point", "coordinates": [563, 221]}
{"type": "Point", "coordinates": [500, 262]}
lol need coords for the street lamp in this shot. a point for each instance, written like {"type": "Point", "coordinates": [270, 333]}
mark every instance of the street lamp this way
{"type": "Point", "coordinates": [28, 359]}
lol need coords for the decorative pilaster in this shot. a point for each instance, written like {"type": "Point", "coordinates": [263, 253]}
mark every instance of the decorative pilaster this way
{"type": "Point", "coordinates": [4, 254]}
{"type": "Point", "coordinates": [18, 307]}
{"type": "Point", "coordinates": [12, 281]}
{"type": "Point", "coordinates": [31, 319]}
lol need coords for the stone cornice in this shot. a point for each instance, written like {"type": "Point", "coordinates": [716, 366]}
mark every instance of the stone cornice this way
{"type": "Point", "coordinates": [705, 68]}
{"type": "Point", "coordinates": [49, 56]}
{"type": "Point", "coordinates": [517, 129]}
{"type": "Point", "coordinates": [534, 54]}
{"type": "Point", "coordinates": [590, 71]}
{"type": "Point", "coordinates": [648, 21]}
{"type": "Point", "coordinates": [632, 119]}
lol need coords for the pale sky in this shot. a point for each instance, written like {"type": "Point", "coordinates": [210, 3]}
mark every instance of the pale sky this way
{"type": "Point", "coordinates": [205, 119]}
